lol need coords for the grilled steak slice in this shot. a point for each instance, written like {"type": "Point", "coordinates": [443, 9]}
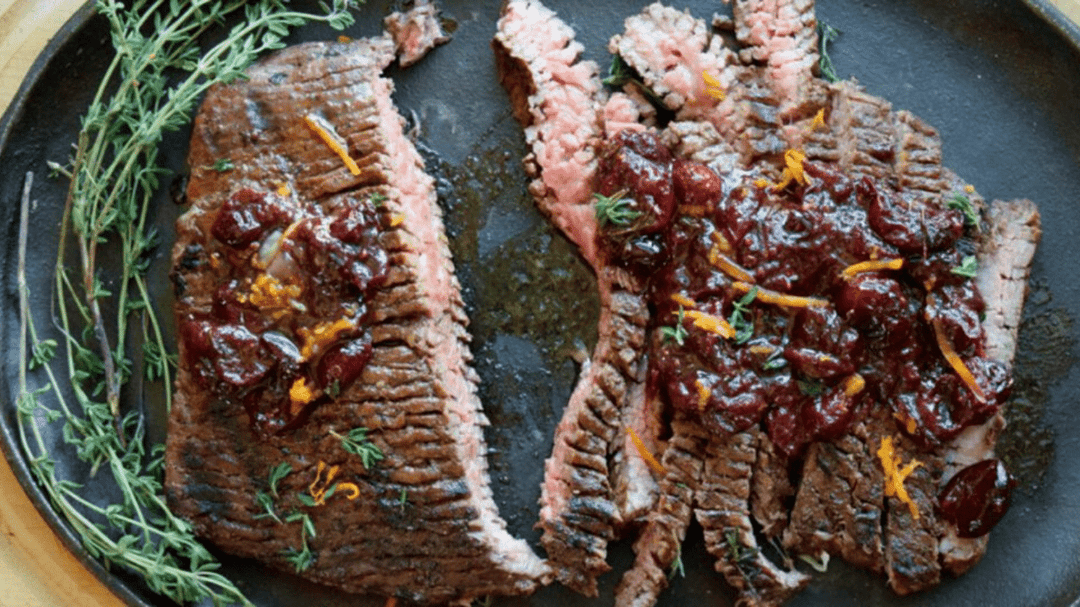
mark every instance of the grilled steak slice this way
{"type": "Point", "coordinates": [658, 544]}
{"type": "Point", "coordinates": [1013, 231]}
{"type": "Point", "coordinates": [321, 328]}
{"type": "Point", "coordinates": [557, 100]}
{"type": "Point", "coordinates": [840, 502]}
{"type": "Point", "coordinates": [722, 506]}
{"type": "Point", "coordinates": [781, 36]}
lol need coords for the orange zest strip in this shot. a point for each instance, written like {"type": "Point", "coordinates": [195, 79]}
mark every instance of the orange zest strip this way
{"type": "Point", "coordinates": [320, 486]}
{"type": "Point", "coordinates": [721, 242]}
{"type": "Point", "coordinates": [772, 297]}
{"type": "Point", "coordinates": [712, 324]}
{"type": "Point", "coordinates": [703, 393]}
{"type": "Point", "coordinates": [694, 210]}
{"type": "Point", "coordinates": [333, 141]}
{"type": "Point", "coordinates": [956, 362]}
{"type": "Point", "coordinates": [322, 334]}
{"type": "Point", "coordinates": [895, 476]}
{"type": "Point", "coordinates": [793, 169]}
{"type": "Point", "coordinates": [354, 491]}
{"type": "Point", "coordinates": [284, 190]}
{"type": "Point", "coordinates": [713, 87]}
{"type": "Point", "coordinates": [819, 121]}
{"type": "Point", "coordinates": [300, 394]}
{"type": "Point", "coordinates": [854, 384]}
{"type": "Point", "coordinates": [732, 269]}
{"type": "Point", "coordinates": [872, 265]}
{"type": "Point", "coordinates": [683, 300]}
{"type": "Point", "coordinates": [793, 161]}
{"type": "Point", "coordinates": [761, 183]}
{"type": "Point", "coordinates": [645, 454]}
{"type": "Point", "coordinates": [396, 219]}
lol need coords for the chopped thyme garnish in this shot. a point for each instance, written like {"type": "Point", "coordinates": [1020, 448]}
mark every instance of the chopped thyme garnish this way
{"type": "Point", "coordinates": [615, 209]}
{"type": "Point", "coordinates": [620, 74]}
{"type": "Point", "coordinates": [223, 164]}
{"type": "Point", "coordinates": [277, 473]}
{"type": "Point", "coordinates": [334, 389]}
{"type": "Point", "coordinates": [678, 332]}
{"type": "Point", "coordinates": [403, 499]}
{"type": "Point", "coordinates": [356, 442]}
{"type": "Point", "coordinates": [303, 558]}
{"type": "Point", "coordinates": [827, 34]}
{"type": "Point", "coordinates": [969, 267]}
{"type": "Point", "coordinates": [744, 328]}
{"type": "Point", "coordinates": [963, 204]}
{"type": "Point", "coordinates": [775, 361]}
{"type": "Point", "coordinates": [267, 503]}
{"type": "Point", "coordinates": [377, 199]}
{"type": "Point", "coordinates": [811, 387]}
{"type": "Point", "coordinates": [677, 569]}
{"type": "Point", "coordinates": [740, 556]}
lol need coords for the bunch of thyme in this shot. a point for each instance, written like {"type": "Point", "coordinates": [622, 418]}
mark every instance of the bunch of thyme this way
{"type": "Point", "coordinates": [158, 74]}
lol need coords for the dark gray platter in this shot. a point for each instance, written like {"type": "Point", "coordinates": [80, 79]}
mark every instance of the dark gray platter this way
{"type": "Point", "coordinates": [1000, 84]}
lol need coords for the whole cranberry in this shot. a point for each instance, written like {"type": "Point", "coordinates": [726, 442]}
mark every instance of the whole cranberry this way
{"type": "Point", "coordinates": [977, 497]}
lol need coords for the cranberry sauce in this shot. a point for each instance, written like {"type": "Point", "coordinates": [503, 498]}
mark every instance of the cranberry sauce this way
{"type": "Point", "coordinates": [977, 497]}
{"type": "Point", "coordinates": [286, 327]}
{"type": "Point", "coordinates": [799, 306]}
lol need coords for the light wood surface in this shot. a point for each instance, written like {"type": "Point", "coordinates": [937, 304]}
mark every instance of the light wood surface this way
{"type": "Point", "coordinates": [35, 568]}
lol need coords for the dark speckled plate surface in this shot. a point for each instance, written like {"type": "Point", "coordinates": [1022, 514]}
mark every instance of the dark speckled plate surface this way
{"type": "Point", "coordinates": [1000, 84]}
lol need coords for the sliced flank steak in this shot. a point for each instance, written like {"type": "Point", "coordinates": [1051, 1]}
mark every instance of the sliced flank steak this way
{"type": "Point", "coordinates": [326, 420]}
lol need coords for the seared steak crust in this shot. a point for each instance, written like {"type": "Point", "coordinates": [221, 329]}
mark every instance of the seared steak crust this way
{"type": "Point", "coordinates": [421, 523]}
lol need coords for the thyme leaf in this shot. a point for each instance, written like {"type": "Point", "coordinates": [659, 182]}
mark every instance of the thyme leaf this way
{"type": "Point", "coordinates": [677, 569]}
{"type": "Point", "coordinates": [744, 327]}
{"type": "Point", "coordinates": [969, 267]}
{"type": "Point", "coordinates": [223, 165]}
{"type": "Point", "coordinates": [963, 204]}
{"type": "Point", "coordinates": [277, 473]}
{"type": "Point", "coordinates": [356, 442]}
{"type": "Point", "coordinates": [615, 209]}
{"type": "Point", "coordinates": [620, 74]}
{"type": "Point", "coordinates": [676, 333]}
{"type": "Point", "coordinates": [827, 34]}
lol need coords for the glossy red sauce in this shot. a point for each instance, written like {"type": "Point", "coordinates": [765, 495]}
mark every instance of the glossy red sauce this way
{"type": "Point", "coordinates": [251, 350]}
{"type": "Point", "coordinates": [803, 373]}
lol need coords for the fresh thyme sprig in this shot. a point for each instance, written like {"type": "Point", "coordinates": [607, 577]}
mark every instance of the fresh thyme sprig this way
{"type": "Point", "coordinates": [357, 442]}
{"type": "Point", "coordinates": [744, 327]}
{"type": "Point", "coordinates": [157, 75]}
{"type": "Point", "coordinates": [963, 204]}
{"type": "Point", "coordinates": [827, 34]}
{"type": "Point", "coordinates": [615, 209]}
{"type": "Point", "coordinates": [676, 333]}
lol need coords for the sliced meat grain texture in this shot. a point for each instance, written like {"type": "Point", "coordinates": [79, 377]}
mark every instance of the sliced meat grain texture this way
{"type": "Point", "coordinates": [405, 510]}
{"type": "Point", "coordinates": [735, 108]}
{"type": "Point", "coordinates": [558, 100]}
